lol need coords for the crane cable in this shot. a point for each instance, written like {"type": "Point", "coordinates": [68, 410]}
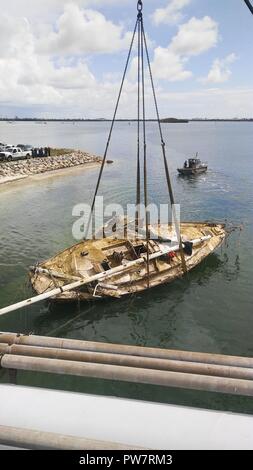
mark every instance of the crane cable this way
{"type": "Point", "coordinates": [140, 18]}
{"type": "Point", "coordinates": [249, 5]}
{"type": "Point", "coordinates": [142, 45]}
{"type": "Point", "coordinates": [138, 182]}
{"type": "Point", "coordinates": [167, 173]}
{"type": "Point", "coordinates": [110, 132]}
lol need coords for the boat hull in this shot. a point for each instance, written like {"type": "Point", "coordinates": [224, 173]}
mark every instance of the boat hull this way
{"type": "Point", "coordinates": [192, 171]}
{"type": "Point", "coordinates": [88, 258]}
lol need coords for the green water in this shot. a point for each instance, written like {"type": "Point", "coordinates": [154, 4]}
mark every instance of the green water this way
{"type": "Point", "coordinates": [211, 311]}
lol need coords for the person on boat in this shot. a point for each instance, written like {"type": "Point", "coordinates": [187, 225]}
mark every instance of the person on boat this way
{"type": "Point", "coordinates": [185, 164]}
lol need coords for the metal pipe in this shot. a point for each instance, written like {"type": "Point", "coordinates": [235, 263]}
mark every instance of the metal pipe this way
{"type": "Point", "coordinates": [77, 345]}
{"type": "Point", "coordinates": [129, 374]}
{"type": "Point", "coordinates": [39, 440]}
{"type": "Point", "coordinates": [129, 361]}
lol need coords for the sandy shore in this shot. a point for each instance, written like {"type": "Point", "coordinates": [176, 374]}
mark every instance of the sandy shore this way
{"type": "Point", "coordinates": [22, 171]}
{"type": "Point", "coordinates": [24, 180]}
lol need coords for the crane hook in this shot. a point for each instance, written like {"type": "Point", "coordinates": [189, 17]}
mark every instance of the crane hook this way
{"type": "Point", "coordinates": [139, 5]}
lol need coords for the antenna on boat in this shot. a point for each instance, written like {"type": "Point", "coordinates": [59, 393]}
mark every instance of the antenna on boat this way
{"type": "Point", "coordinates": [142, 51]}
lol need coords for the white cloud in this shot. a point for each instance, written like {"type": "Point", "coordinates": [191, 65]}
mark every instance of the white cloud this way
{"type": "Point", "coordinates": [27, 78]}
{"type": "Point", "coordinates": [65, 86]}
{"type": "Point", "coordinates": [220, 71]}
{"type": "Point", "coordinates": [170, 14]}
{"type": "Point", "coordinates": [193, 38]}
{"type": "Point", "coordinates": [15, 36]}
{"type": "Point", "coordinates": [39, 9]}
{"type": "Point", "coordinates": [210, 103]}
{"type": "Point", "coordinates": [72, 78]}
{"type": "Point", "coordinates": [169, 66]}
{"type": "Point", "coordinates": [133, 69]}
{"type": "Point", "coordinates": [83, 31]}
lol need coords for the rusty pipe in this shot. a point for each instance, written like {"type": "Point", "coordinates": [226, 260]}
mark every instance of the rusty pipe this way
{"type": "Point", "coordinates": [128, 361]}
{"type": "Point", "coordinates": [130, 374]}
{"type": "Point", "coordinates": [38, 440]}
{"type": "Point", "coordinates": [188, 356]}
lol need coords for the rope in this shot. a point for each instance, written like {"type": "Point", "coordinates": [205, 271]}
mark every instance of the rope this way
{"type": "Point", "coordinates": [145, 148]}
{"type": "Point", "coordinates": [138, 183]}
{"type": "Point", "coordinates": [170, 189]}
{"type": "Point", "coordinates": [111, 129]}
{"type": "Point", "coordinates": [250, 7]}
{"type": "Point", "coordinates": [72, 320]}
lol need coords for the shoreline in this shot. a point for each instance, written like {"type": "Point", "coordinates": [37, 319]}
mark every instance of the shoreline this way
{"type": "Point", "coordinates": [22, 171]}
{"type": "Point", "coordinates": [47, 175]}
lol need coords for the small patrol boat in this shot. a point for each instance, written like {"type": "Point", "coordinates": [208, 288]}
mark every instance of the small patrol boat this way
{"type": "Point", "coordinates": [193, 166]}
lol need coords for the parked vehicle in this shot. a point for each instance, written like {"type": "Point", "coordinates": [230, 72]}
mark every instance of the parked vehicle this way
{"type": "Point", "coordinates": [6, 156]}
{"type": "Point", "coordinates": [15, 153]}
{"type": "Point", "coordinates": [25, 147]}
{"type": "Point", "coordinates": [7, 146]}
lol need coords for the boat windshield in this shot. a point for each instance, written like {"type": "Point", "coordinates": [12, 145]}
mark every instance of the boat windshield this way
{"type": "Point", "coordinates": [194, 162]}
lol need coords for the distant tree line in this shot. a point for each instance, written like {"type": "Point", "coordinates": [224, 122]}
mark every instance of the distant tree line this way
{"type": "Point", "coordinates": [165, 120]}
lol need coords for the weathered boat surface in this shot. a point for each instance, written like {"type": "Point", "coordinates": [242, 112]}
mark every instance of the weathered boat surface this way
{"type": "Point", "coordinates": [91, 257]}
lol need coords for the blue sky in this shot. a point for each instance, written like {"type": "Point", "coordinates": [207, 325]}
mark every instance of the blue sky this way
{"type": "Point", "coordinates": [64, 58]}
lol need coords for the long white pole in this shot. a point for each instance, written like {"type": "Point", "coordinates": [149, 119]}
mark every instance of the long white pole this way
{"type": "Point", "coordinates": [96, 277]}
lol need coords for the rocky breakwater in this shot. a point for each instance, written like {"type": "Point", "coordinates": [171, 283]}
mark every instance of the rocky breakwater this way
{"type": "Point", "coordinates": [11, 171]}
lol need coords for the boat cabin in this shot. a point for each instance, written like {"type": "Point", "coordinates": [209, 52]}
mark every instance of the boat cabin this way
{"type": "Point", "coordinates": [192, 163]}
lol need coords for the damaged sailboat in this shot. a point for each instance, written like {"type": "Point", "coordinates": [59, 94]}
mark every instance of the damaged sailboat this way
{"type": "Point", "coordinates": [114, 267]}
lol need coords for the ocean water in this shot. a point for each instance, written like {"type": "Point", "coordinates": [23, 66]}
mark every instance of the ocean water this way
{"type": "Point", "coordinates": [210, 311]}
